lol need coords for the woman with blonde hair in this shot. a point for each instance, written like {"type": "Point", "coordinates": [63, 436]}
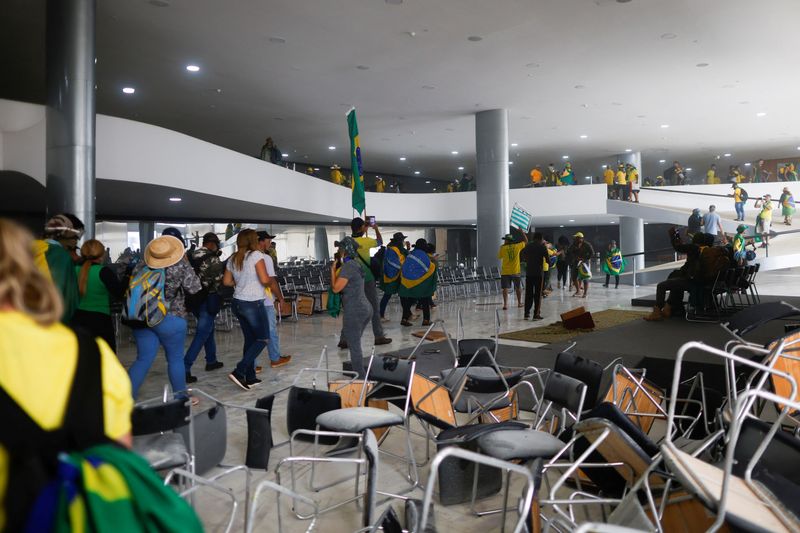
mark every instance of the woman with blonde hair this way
{"type": "Point", "coordinates": [40, 358]}
{"type": "Point", "coordinates": [247, 273]}
{"type": "Point", "coordinates": [97, 285]}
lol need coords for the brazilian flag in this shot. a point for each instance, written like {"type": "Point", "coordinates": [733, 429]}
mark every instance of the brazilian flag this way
{"type": "Point", "coordinates": [359, 201]}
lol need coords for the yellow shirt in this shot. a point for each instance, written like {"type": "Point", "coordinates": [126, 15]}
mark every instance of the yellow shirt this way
{"type": "Point", "coordinates": [364, 246]}
{"type": "Point", "coordinates": [737, 194]}
{"type": "Point", "coordinates": [380, 186]}
{"type": "Point", "coordinates": [766, 211]}
{"type": "Point", "coordinates": [608, 175]}
{"type": "Point", "coordinates": [633, 177]}
{"type": "Point", "coordinates": [37, 365]}
{"type": "Point", "coordinates": [622, 178]}
{"type": "Point", "coordinates": [711, 177]}
{"type": "Point", "coordinates": [509, 257]}
{"type": "Point", "coordinates": [337, 177]}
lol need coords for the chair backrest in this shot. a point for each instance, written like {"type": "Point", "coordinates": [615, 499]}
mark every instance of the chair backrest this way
{"type": "Point", "coordinates": [788, 360]}
{"type": "Point", "coordinates": [158, 417]}
{"type": "Point", "coordinates": [468, 347]}
{"type": "Point", "coordinates": [616, 447]}
{"type": "Point", "coordinates": [431, 402]}
{"type": "Point", "coordinates": [392, 371]}
{"type": "Point", "coordinates": [754, 316]}
{"type": "Point", "coordinates": [585, 370]}
{"type": "Point", "coordinates": [635, 396]}
{"type": "Point", "coordinates": [565, 392]}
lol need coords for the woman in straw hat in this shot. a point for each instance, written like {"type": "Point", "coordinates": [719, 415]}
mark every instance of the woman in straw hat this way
{"type": "Point", "coordinates": [165, 252]}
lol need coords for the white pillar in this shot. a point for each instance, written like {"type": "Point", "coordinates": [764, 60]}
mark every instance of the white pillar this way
{"type": "Point", "coordinates": [631, 240]}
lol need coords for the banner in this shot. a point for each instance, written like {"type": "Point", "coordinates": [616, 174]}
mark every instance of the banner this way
{"type": "Point", "coordinates": [520, 218]}
{"type": "Point", "coordinates": [359, 201]}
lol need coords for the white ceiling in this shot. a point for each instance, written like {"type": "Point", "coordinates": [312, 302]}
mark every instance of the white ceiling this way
{"type": "Point", "coordinates": [562, 68]}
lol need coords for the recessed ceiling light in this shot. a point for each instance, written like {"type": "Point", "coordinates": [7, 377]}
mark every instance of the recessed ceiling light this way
{"type": "Point", "coordinates": [662, 160]}
{"type": "Point", "coordinates": [474, 38]}
{"type": "Point", "coordinates": [580, 86]}
{"type": "Point", "coordinates": [403, 158]}
{"type": "Point", "coordinates": [434, 188]}
{"type": "Point", "coordinates": [688, 169]}
{"type": "Point", "coordinates": [759, 114]}
{"type": "Point", "coordinates": [454, 152]}
{"type": "Point", "coordinates": [532, 65]}
{"type": "Point", "coordinates": [584, 136]}
{"type": "Point", "coordinates": [646, 223]}
{"type": "Point", "coordinates": [665, 126]}
{"type": "Point", "coordinates": [427, 181]}
{"type": "Point", "coordinates": [159, 3]}
{"type": "Point", "coordinates": [462, 168]}
{"type": "Point", "coordinates": [564, 157]}
{"type": "Point", "coordinates": [727, 155]}
{"type": "Point", "coordinates": [128, 90]}
{"type": "Point", "coordinates": [277, 40]}
{"type": "Point", "coordinates": [668, 36]}
{"type": "Point", "coordinates": [748, 164]}
{"type": "Point", "coordinates": [701, 65]}
{"type": "Point", "coordinates": [192, 68]}
{"type": "Point", "coordinates": [331, 148]}
{"type": "Point", "coordinates": [603, 166]}
{"type": "Point", "coordinates": [315, 168]}
{"type": "Point", "coordinates": [174, 199]}
{"type": "Point", "coordinates": [334, 220]}
{"type": "Point", "coordinates": [428, 87]}
{"type": "Point", "coordinates": [572, 220]}
{"type": "Point", "coordinates": [561, 225]}
{"type": "Point", "coordinates": [613, 221]}
{"type": "Point", "coordinates": [395, 3]}
{"type": "Point", "coordinates": [416, 172]}
{"type": "Point", "coordinates": [798, 147]}
{"type": "Point", "coordinates": [628, 150]}
{"type": "Point", "coordinates": [510, 162]}
{"type": "Point", "coordinates": [514, 144]}
{"type": "Point", "coordinates": [284, 155]}
{"type": "Point", "coordinates": [362, 67]}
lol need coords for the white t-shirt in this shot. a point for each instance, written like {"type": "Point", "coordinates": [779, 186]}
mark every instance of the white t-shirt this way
{"type": "Point", "coordinates": [248, 286]}
{"type": "Point", "coordinates": [711, 222]}
{"type": "Point", "coordinates": [269, 301]}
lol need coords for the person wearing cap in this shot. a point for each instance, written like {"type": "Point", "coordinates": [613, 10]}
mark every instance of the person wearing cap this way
{"type": "Point", "coordinates": [365, 244]}
{"type": "Point", "coordinates": [393, 259]}
{"type": "Point", "coordinates": [567, 175]}
{"type": "Point", "coordinates": [206, 304]}
{"type": "Point", "coordinates": [695, 223]}
{"type": "Point", "coordinates": [380, 184]}
{"type": "Point", "coordinates": [738, 201]}
{"type": "Point", "coordinates": [787, 206]}
{"type": "Point", "coordinates": [581, 253]}
{"type": "Point", "coordinates": [739, 241]}
{"type": "Point", "coordinates": [632, 176]}
{"type": "Point", "coordinates": [357, 310]}
{"type": "Point", "coordinates": [55, 255]}
{"type": "Point", "coordinates": [165, 252]}
{"type": "Point", "coordinates": [764, 218]}
{"type": "Point", "coordinates": [274, 296]}
{"type": "Point", "coordinates": [510, 265]}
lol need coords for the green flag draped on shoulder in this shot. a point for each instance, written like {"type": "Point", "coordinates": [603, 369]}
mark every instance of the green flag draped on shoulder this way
{"type": "Point", "coordinates": [359, 201]}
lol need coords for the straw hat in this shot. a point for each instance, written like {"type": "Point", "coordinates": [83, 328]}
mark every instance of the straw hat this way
{"type": "Point", "coordinates": [163, 252]}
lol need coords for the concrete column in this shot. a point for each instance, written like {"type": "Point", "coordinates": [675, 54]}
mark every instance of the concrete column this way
{"type": "Point", "coordinates": [146, 231]}
{"type": "Point", "coordinates": [491, 180]}
{"type": "Point", "coordinates": [70, 114]}
{"type": "Point", "coordinates": [631, 240]}
{"type": "Point", "coordinates": [321, 243]}
{"type": "Point", "coordinates": [430, 235]}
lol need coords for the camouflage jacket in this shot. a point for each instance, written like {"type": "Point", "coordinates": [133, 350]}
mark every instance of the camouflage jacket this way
{"type": "Point", "coordinates": [209, 268]}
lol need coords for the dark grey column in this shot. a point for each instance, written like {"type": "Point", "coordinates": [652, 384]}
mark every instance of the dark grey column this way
{"type": "Point", "coordinates": [321, 243]}
{"type": "Point", "coordinates": [491, 180]}
{"type": "Point", "coordinates": [70, 44]}
{"type": "Point", "coordinates": [146, 231]}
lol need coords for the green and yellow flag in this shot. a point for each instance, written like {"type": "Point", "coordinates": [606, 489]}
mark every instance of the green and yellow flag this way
{"type": "Point", "coordinates": [359, 201]}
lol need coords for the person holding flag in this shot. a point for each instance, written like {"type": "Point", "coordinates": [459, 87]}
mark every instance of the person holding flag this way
{"type": "Point", "coordinates": [510, 267]}
{"type": "Point", "coordinates": [393, 258]}
{"type": "Point", "coordinates": [359, 199]}
{"type": "Point", "coordinates": [613, 264]}
{"type": "Point", "coordinates": [417, 282]}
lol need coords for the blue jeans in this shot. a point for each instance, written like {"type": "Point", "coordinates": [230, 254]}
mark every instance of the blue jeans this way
{"type": "Point", "coordinates": [739, 210]}
{"type": "Point", "coordinates": [206, 314]}
{"type": "Point", "coordinates": [255, 328]}
{"type": "Point", "coordinates": [169, 333]}
{"type": "Point", "coordinates": [274, 343]}
{"type": "Point", "coordinates": [385, 303]}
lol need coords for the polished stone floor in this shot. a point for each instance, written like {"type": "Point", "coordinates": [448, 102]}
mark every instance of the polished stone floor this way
{"type": "Point", "coordinates": [306, 338]}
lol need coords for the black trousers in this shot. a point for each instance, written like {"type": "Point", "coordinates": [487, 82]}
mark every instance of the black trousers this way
{"type": "Point", "coordinates": [616, 280]}
{"type": "Point", "coordinates": [533, 294]}
{"type": "Point", "coordinates": [561, 266]}
{"type": "Point", "coordinates": [676, 288]}
{"type": "Point", "coordinates": [424, 303]}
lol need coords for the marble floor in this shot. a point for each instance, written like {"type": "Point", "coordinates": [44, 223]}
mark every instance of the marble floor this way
{"type": "Point", "coordinates": [306, 338]}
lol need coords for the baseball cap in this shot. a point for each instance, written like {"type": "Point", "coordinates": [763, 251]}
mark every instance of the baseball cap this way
{"type": "Point", "coordinates": [211, 237]}
{"type": "Point", "coordinates": [740, 228]}
{"type": "Point", "coordinates": [264, 235]}
{"type": "Point", "coordinates": [579, 234]}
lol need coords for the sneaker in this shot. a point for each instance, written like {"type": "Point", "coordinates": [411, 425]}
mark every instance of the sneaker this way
{"type": "Point", "coordinates": [526, 317]}
{"type": "Point", "coordinates": [258, 370]}
{"type": "Point", "coordinates": [384, 319]}
{"type": "Point", "coordinates": [282, 360]}
{"type": "Point", "coordinates": [426, 322]}
{"type": "Point", "coordinates": [216, 365]}
{"type": "Point", "coordinates": [253, 382]}
{"type": "Point", "coordinates": [342, 345]}
{"type": "Point", "coordinates": [190, 378]}
{"type": "Point", "coordinates": [405, 323]}
{"type": "Point", "coordinates": [538, 317]}
{"type": "Point", "coordinates": [382, 340]}
{"type": "Point", "coordinates": [238, 380]}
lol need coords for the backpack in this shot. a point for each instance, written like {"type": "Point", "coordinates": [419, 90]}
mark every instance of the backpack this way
{"type": "Point", "coordinates": [743, 195]}
{"type": "Point", "coordinates": [713, 260]}
{"type": "Point", "coordinates": [74, 478]}
{"type": "Point", "coordinates": [376, 263]}
{"type": "Point", "coordinates": [145, 302]}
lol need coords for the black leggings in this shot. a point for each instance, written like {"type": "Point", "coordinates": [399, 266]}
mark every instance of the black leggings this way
{"type": "Point", "coordinates": [561, 267]}
{"type": "Point", "coordinates": [616, 280]}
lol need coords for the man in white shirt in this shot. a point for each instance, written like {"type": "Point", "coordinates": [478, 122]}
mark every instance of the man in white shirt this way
{"type": "Point", "coordinates": [274, 296]}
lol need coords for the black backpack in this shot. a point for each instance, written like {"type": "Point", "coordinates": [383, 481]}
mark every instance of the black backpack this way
{"type": "Point", "coordinates": [376, 263]}
{"type": "Point", "coordinates": [743, 195]}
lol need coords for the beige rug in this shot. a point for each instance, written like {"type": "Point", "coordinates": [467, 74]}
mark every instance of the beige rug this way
{"type": "Point", "coordinates": [432, 336]}
{"type": "Point", "coordinates": [558, 333]}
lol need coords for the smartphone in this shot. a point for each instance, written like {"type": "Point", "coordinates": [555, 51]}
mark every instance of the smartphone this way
{"type": "Point", "coordinates": [371, 221]}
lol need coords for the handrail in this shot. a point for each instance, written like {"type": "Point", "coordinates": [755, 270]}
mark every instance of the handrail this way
{"type": "Point", "coordinates": [662, 189]}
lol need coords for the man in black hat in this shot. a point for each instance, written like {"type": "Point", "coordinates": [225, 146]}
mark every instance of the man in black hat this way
{"type": "Point", "coordinates": [205, 304]}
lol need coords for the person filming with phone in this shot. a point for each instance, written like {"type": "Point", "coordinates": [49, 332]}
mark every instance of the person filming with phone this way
{"type": "Point", "coordinates": [679, 280]}
{"type": "Point", "coordinates": [365, 243]}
